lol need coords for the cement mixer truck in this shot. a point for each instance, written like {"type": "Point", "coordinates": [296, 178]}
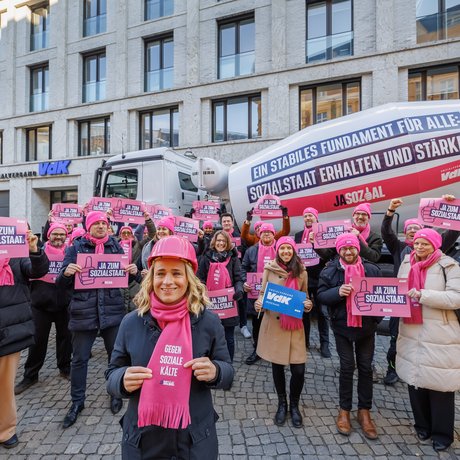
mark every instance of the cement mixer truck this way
{"type": "Point", "coordinates": [409, 150]}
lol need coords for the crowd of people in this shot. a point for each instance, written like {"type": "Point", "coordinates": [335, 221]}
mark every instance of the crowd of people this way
{"type": "Point", "coordinates": [166, 350]}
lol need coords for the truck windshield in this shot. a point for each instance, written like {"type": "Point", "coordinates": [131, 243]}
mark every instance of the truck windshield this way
{"type": "Point", "coordinates": [121, 184]}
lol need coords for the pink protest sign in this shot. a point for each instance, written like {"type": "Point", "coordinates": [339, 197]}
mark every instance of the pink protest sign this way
{"type": "Point", "coordinates": [101, 271]}
{"type": "Point", "coordinates": [223, 304]}
{"type": "Point", "coordinates": [187, 228]}
{"type": "Point", "coordinates": [437, 212]}
{"type": "Point", "coordinates": [67, 213]}
{"type": "Point", "coordinates": [13, 242]}
{"type": "Point", "coordinates": [54, 268]}
{"type": "Point", "coordinates": [127, 247]}
{"type": "Point", "coordinates": [97, 203]}
{"type": "Point", "coordinates": [130, 211]}
{"type": "Point", "coordinates": [268, 207]}
{"type": "Point", "coordinates": [157, 212]}
{"type": "Point", "coordinates": [307, 254]}
{"type": "Point", "coordinates": [206, 210]}
{"type": "Point", "coordinates": [255, 281]}
{"type": "Point", "coordinates": [380, 297]}
{"type": "Point", "coordinates": [327, 232]}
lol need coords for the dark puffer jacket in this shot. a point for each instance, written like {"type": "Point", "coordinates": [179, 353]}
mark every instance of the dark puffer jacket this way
{"type": "Point", "coordinates": [16, 324]}
{"type": "Point", "coordinates": [330, 280]}
{"type": "Point", "coordinates": [92, 309]}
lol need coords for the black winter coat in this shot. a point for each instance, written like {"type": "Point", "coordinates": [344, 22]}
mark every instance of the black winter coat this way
{"type": "Point", "coordinates": [134, 346]}
{"type": "Point", "coordinates": [92, 309]}
{"type": "Point", "coordinates": [330, 280]}
{"type": "Point", "coordinates": [16, 323]}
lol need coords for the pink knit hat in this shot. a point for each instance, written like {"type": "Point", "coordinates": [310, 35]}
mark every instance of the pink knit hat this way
{"type": "Point", "coordinates": [208, 224]}
{"type": "Point", "coordinates": [167, 222]}
{"type": "Point", "coordinates": [311, 211]}
{"type": "Point", "coordinates": [54, 227]}
{"type": "Point", "coordinates": [267, 228]}
{"type": "Point", "coordinates": [126, 227]}
{"type": "Point", "coordinates": [347, 239]}
{"type": "Point", "coordinates": [364, 207]}
{"type": "Point", "coordinates": [286, 240]}
{"type": "Point", "coordinates": [431, 235]}
{"type": "Point", "coordinates": [76, 232]}
{"type": "Point", "coordinates": [95, 216]}
{"type": "Point", "coordinates": [411, 222]}
{"type": "Point", "coordinates": [258, 224]}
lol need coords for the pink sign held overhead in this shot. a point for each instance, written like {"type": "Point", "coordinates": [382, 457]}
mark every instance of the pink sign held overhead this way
{"type": "Point", "coordinates": [380, 297]}
{"type": "Point", "coordinates": [222, 303]}
{"type": "Point", "coordinates": [307, 254]}
{"type": "Point", "coordinates": [13, 238]}
{"type": "Point", "coordinates": [55, 266]}
{"type": "Point", "coordinates": [128, 248]}
{"type": "Point", "coordinates": [437, 212]}
{"type": "Point", "coordinates": [157, 211]}
{"type": "Point", "coordinates": [206, 210]}
{"type": "Point", "coordinates": [102, 271]}
{"type": "Point", "coordinates": [188, 228]}
{"type": "Point", "coordinates": [67, 213]}
{"type": "Point", "coordinates": [97, 203]}
{"type": "Point", "coordinates": [327, 232]}
{"type": "Point", "coordinates": [255, 281]}
{"type": "Point", "coordinates": [268, 207]}
{"type": "Point", "coordinates": [129, 211]}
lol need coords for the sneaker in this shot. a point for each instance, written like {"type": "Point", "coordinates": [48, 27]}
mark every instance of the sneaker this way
{"type": "Point", "coordinates": [391, 378]}
{"type": "Point", "coordinates": [246, 333]}
{"type": "Point", "coordinates": [23, 385]}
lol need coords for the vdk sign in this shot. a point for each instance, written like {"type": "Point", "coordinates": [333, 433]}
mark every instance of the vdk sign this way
{"type": "Point", "coordinates": [54, 168]}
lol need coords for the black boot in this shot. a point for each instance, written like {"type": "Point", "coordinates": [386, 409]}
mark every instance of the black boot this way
{"type": "Point", "coordinates": [296, 416]}
{"type": "Point", "coordinates": [280, 416]}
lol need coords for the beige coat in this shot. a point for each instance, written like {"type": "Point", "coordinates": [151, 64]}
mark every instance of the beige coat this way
{"type": "Point", "coordinates": [277, 345]}
{"type": "Point", "coordinates": [428, 354]}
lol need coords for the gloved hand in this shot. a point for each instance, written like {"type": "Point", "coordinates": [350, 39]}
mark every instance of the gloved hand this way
{"type": "Point", "coordinates": [238, 296]}
{"type": "Point", "coordinates": [284, 210]}
{"type": "Point", "coordinates": [249, 214]}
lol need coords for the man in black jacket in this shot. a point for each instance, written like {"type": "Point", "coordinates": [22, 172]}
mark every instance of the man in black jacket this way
{"type": "Point", "coordinates": [91, 310]}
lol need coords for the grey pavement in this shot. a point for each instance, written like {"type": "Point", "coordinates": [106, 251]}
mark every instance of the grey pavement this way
{"type": "Point", "coordinates": [245, 429]}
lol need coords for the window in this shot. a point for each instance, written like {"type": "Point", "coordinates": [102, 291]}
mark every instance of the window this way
{"type": "Point", "coordinates": [159, 128]}
{"type": "Point", "coordinates": [39, 87]}
{"type": "Point", "coordinates": [236, 48]}
{"type": "Point", "coordinates": [94, 137]}
{"type": "Point", "coordinates": [435, 83]}
{"type": "Point", "coordinates": [121, 184]}
{"type": "Point", "coordinates": [155, 9]}
{"type": "Point", "coordinates": [64, 196]}
{"type": "Point", "coordinates": [185, 181]}
{"type": "Point", "coordinates": [159, 64]}
{"type": "Point", "coordinates": [94, 77]}
{"type": "Point", "coordinates": [94, 17]}
{"type": "Point", "coordinates": [437, 20]}
{"type": "Point", "coordinates": [325, 102]}
{"type": "Point", "coordinates": [237, 118]}
{"type": "Point", "coordinates": [38, 143]}
{"type": "Point", "coordinates": [329, 29]}
{"type": "Point", "coordinates": [39, 26]}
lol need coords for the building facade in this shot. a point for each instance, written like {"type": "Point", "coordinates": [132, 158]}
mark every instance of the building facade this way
{"type": "Point", "coordinates": [84, 79]}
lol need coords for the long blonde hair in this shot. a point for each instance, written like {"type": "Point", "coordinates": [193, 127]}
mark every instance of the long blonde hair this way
{"type": "Point", "coordinates": [196, 292]}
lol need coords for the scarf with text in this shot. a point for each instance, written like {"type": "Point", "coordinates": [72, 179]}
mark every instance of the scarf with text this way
{"type": "Point", "coordinates": [353, 271]}
{"type": "Point", "coordinates": [218, 276]}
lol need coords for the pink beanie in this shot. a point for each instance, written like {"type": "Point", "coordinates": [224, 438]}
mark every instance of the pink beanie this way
{"type": "Point", "coordinates": [76, 232]}
{"type": "Point", "coordinates": [364, 207]}
{"type": "Point", "coordinates": [167, 222]}
{"type": "Point", "coordinates": [267, 228]}
{"type": "Point", "coordinates": [347, 239]}
{"type": "Point", "coordinates": [126, 227]}
{"type": "Point", "coordinates": [258, 224]}
{"type": "Point", "coordinates": [411, 222]}
{"type": "Point", "coordinates": [208, 224]}
{"type": "Point", "coordinates": [431, 235]}
{"type": "Point", "coordinates": [311, 211]}
{"type": "Point", "coordinates": [54, 227]}
{"type": "Point", "coordinates": [95, 216]}
{"type": "Point", "coordinates": [286, 240]}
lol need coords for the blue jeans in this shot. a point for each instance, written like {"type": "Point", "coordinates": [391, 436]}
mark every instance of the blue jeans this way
{"type": "Point", "coordinates": [82, 343]}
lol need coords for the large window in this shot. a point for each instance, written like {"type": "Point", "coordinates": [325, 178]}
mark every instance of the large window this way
{"type": "Point", "coordinates": [159, 128]}
{"type": "Point", "coordinates": [39, 27]}
{"type": "Point", "coordinates": [94, 17]}
{"type": "Point", "coordinates": [437, 20]}
{"type": "Point", "coordinates": [38, 143]}
{"type": "Point", "coordinates": [121, 184]}
{"type": "Point", "coordinates": [329, 29]}
{"type": "Point", "coordinates": [94, 137]}
{"type": "Point", "coordinates": [325, 102]}
{"type": "Point", "coordinates": [434, 83]}
{"type": "Point", "coordinates": [94, 74]}
{"type": "Point", "coordinates": [237, 118]}
{"type": "Point", "coordinates": [64, 196]}
{"type": "Point", "coordinates": [236, 47]}
{"type": "Point", "coordinates": [158, 8]}
{"type": "Point", "coordinates": [159, 63]}
{"type": "Point", "coordinates": [39, 88]}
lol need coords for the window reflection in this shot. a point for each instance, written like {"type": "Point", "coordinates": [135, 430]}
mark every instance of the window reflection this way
{"type": "Point", "coordinates": [437, 20]}
{"type": "Point", "coordinates": [159, 128]}
{"type": "Point", "coordinates": [438, 83]}
{"type": "Point", "coordinates": [159, 72]}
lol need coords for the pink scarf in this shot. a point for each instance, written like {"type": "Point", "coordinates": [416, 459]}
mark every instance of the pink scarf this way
{"type": "Point", "coordinates": [289, 323]}
{"type": "Point", "coordinates": [364, 232]}
{"type": "Point", "coordinates": [306, 235]}
{"type": "Point", "coordinates": [6, 274]}
{"type": "Point", "coordinates": [48, 249]}
{"type": "Point", "coordinates": [416, 279]}
{"type": "Point", "coordinates": [98, 242]}
{"type": "Point", "coordinates": [353, 271]}
{"type": "Point", "coordinates": [266, 253]}
{"type": "Point", "coordinates": [218, 276]}
{"type": "Point", "coordinates": [164, 399]}
{"type": "Point", "coordinates": [409, 243]}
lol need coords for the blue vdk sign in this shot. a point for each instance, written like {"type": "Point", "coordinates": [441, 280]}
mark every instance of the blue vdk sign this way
{"type": "Point", "coordinates": [283, 300]}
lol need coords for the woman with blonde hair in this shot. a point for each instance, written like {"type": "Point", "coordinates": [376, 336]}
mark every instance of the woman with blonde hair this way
{"type": "Point", "coordinates": [167, 356]}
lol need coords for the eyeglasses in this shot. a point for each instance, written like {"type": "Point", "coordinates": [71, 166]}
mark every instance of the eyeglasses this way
{"type": "Point", "coordinates": [413, 228]}
{"type": "Point", "coordinates": [58, 235]}
{"type": "Point", "coordinates": [360, 214]}
{"type": "Point", "coordinates": [126, 232]}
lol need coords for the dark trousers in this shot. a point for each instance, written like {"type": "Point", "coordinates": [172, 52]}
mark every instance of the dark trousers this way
{"type": "Point", "coordinates": [434, 412]}
{"type": "Point", "coordinates": [296, 383]}
{"type": "Point", "coordinates": [37, 353]}
{"type": "Point", "coordinates": [363, 349]}
{"type": "Point", "coordinates": [391, 353]}
{"type": "Point", "coordinates": [230, 338]}
{"type": "Point", "coordinates": [256, 322]}
{"type": "Point", "coordinates": [242, 310]}
{"type": "Point", "coordinates": [82, 343]}
{"type": "Point", "coordinates": [323, 320]}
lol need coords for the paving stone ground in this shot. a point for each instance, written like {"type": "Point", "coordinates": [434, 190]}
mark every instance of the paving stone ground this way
{"type": "Point", "coordinates": [245, 429]}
